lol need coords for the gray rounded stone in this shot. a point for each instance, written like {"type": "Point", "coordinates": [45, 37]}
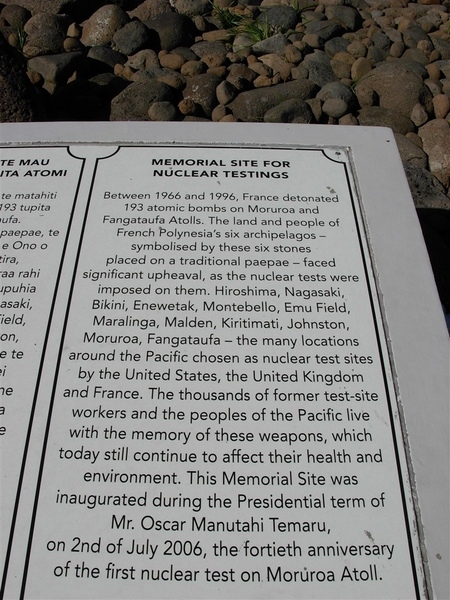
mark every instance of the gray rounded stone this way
{"type": "Point", "coordinates": [288, 111]}
{"type": "Point", "coordinates": [281, 18]}
{"type": "Point", "coordinates": [162, 111]}
{"type": "Point", "coordinates": [192, 7]}
{"type": "Point", "coordinates": [46, 41]}
{"type": "Point", "coordinates": [276, 44]}
{"type": "Point", "coordinates": [252, 105]}
{"type": "Point", "coordinates": [100, 28]}
{"type": "Point", "coordinates": [225, 92]}
{"type": "Point", "coordinates": [335, 107]}
{"type": "Point", "coordinates": [131, 38]}
{"type": "Point", "coordinates": [397, 86]}
{"type": "Point", "coordinates": [413, 35]}
{"type": "Point", "coordinates": [133, 103]}
{"type": "Point", "coordinates": [149, 9]}
{"type": "Point", "coordinates": [172, 30]}
{"type": "Point", "coordinates": [337, 90]}
{"type": "Point", "coordinates": [15, 15]}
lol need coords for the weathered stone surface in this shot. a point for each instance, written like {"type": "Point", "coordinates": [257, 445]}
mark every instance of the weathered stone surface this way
{"type": "Point", "coordinates": [427, 191]}
{"type": "Point", "coordinates": [281, 18]}
{"type": "Point", "coordinates": [57, 68]}
{"type": "Point", "coordinates": [435, 137]}
{"type": "Point", "coordinates": [290, 111]}
{"type": "Point", "coordinates": [225, 92]}
{"type": "Point", "coordinates": [149, 9]}
{"type": "Point", "coordinates": [162, 111]}
{"type": "Point", "coordinates": [253, 104]}
{"type": "Point", "coordinates": [133, 103]}
{"type": "Point", "coordinates": [337, 90]}
{"type": "Point", "coordinates": [335, 107]}
{"type": "Point", "coordinates": [104, 58]}
{"type": "Point", "coordinates": [376, 116]}
{"type": "Point", "coordinates": [192, 7]}
{"type": "Point", "coordinates": [411, 152]}
{"type": "Point", "coordinates": [172, 30]}
{"type": "Point", "coordinates": [47, 41]}
{"type": "Point", "coordinates": [15, 15]}
{"type": "Point", "coordinates": [202, 90]}
{"type": "Point", "coordinates": [131, 38]}
{"type": "Point", "coordinates": [276, 44]}
{"type": "Point", "coordinates": [17, 96]}
{"type": "Point", "coordinates": [397, 88]}
{"type": "Point", "coordinates": [50, 6]}
{"type": "Point", "coordinates": [100, 28]}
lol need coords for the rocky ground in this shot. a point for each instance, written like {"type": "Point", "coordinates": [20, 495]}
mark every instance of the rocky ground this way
{"type": "Point", "coordinates": [335, 62]}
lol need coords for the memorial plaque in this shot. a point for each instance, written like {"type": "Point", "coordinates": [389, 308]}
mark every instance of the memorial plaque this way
{"type": "Point", "coordinates": [200, 394]}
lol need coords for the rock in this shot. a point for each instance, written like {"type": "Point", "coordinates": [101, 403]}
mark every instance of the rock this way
{"type": "Point", "coordinates": [416, 55]}
{"type": "Point", "coordinates": [149, 9]}
{"type": "Point", "coordinates": [172, 61]}
{"type": "Point", "coordinates": [336, 45]}
{"type": "Point", "coordinates": [324, 30]}
{"type": "Point", "coordinates": [276, 44]}
{"type": "Point", "coordinates": [131, 38]}
{"type": "Point", "coordinates": [320, 73]}
{"type": "Point", "coordinates": [172, 30]}
{"type": "Point", "coordinates": [144, 59]}
{"type": "Point", "coordinates": [413, 35]}
{"type": "Point", "coordinates": [427, 191]}
{"type": "Point", "coordinates": [225, 92]}
{"type": "Point", "coordinates": [57, 68]}
{"type": "Point", "coordinates": [192, 7]}
{"type": "Point", "coordinates": [357, 49]}
{"type": "Point", "coordinates": [192, 68]}
{"type": "Point", "coordinates": [397, 49]}
{"type": "Point", "coordinates": [47, 41]}
{"type": "Point", "coordinates": [100, 28]}
{"type": "Point", "coordinates": [17, 96]}
{"type": "Point", "coordinates": [360, 68]}
{"type": "Point", "coordinates": [346, 16]}
{"type": "Point", "coordinates": [41, 21]}
{"type": "Point", "coordinates": [202, 90]}
{"type": "Point", "coordinates": [218, 113]}
{"type": "Point", "coordinates": [435, 137]}
{"type": "Point", "coordinates": [252, 105]}
{"type": "Point", "coordinates": [15, 15]}
{"type": "Point", "coordinates": [162, 111]}
{"type": "Point", "coordinates": [281, 17]}
{"type": "Point", "coordinates": [418, 115]}
{"type": "Point", "coordinates": [337, 90]}
{"type": "Point", "coordinates": [376, 116]}
{"type": "Point", "coordinates": [397, 87]}
{"type": "Point", "coordinates": [288, 111]}
{"type": "Point", "coordinates": [53, 7]}
{"type": "Point", "coordinates": [441, 104]}
{"type": "Point", "coordinates": [410, 152]}
{"type": "Point", "coordinates": [133, 103]}
{"type": "Point", "coordinates": [104, 58]}
{"type": "Point", "coordinates": [278, 64]}
{"type": "Point", "coordinates": [335, 107]}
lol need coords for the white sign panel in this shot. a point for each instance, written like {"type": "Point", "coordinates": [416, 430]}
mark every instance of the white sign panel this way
{"type": "Point", "coordinates": [198, 399]}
